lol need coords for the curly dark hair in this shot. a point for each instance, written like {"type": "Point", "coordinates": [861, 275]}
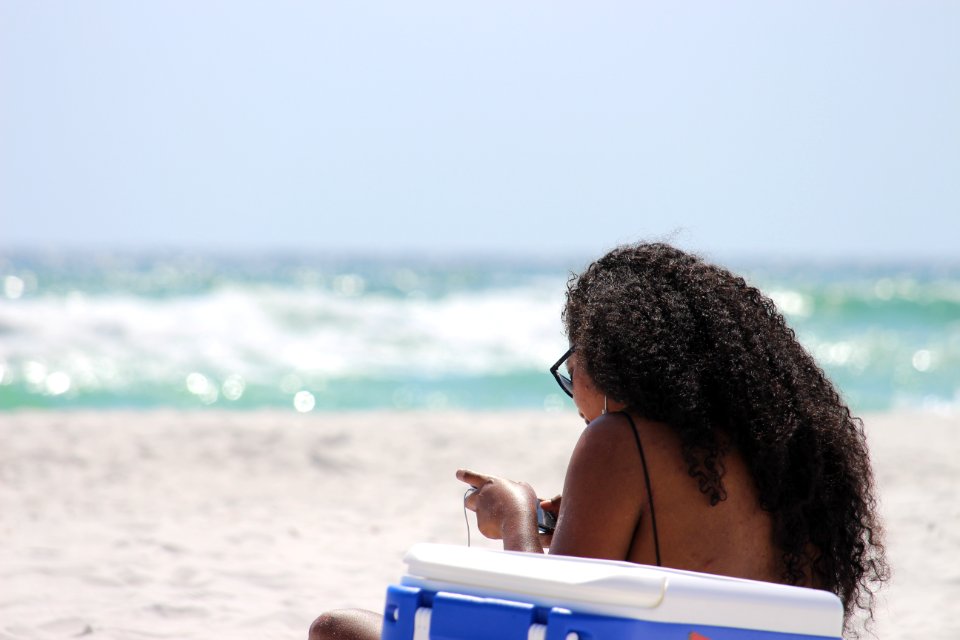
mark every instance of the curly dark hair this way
{"type": "Point", "coordinates": [689, 344]}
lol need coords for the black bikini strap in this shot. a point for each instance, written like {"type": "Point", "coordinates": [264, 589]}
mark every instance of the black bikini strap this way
{"type": "Point", "coordinates": [646, 479]}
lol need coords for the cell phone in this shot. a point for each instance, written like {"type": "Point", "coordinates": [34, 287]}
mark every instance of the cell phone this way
{"type": "Point", "coordinates": [546, 521]}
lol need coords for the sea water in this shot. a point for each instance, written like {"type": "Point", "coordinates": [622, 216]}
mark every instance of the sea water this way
{"type": "Point", "coordinates": [319, 333]}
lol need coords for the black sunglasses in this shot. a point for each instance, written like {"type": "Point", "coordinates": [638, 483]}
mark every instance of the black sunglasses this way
{"type": "Point", "coordinates": [565, 383]}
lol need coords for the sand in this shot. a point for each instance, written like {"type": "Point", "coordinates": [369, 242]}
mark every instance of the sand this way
{"type": "Point", "coordinates": [248, 525]}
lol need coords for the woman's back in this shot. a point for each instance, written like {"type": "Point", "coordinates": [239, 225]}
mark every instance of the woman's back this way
{"type": "Point", "coordinates": [732, 538]}
{"type": "Point", "coordinates": [605, 499]}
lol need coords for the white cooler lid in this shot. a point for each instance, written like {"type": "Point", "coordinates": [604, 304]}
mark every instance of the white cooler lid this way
{"type": "Point", "coordinates": [625, 589]}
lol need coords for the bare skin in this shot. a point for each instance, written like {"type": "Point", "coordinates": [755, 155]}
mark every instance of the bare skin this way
{"type": "Point", "coordinates": [604, 512]}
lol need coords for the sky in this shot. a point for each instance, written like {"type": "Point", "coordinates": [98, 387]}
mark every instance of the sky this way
{"type": "Point", "coordinates": [803, 129]}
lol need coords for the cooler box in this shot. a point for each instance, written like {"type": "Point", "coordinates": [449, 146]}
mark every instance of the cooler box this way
{"type": "Point", "coordinates": [457, 593]}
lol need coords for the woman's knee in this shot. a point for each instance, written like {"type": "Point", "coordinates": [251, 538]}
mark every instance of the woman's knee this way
{"type": "Point", "coordinates": [346, 624]}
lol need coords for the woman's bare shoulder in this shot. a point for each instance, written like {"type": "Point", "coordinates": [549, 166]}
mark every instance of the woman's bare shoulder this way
{"type": "Point", "coordinates": [626, 433]}
{"type": "Point", "coordinates": [613, 442]}
{"type": "Point", "coordinates": [608, 433]}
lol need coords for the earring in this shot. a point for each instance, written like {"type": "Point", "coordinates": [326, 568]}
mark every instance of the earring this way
{"type": "Point", "coordinates": [604, 405]}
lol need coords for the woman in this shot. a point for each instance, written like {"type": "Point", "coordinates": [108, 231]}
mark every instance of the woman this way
{"type": "Point", "coordinates": [714, 442]}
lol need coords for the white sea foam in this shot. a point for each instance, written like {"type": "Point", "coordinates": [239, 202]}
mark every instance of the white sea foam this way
{"type": "Point", "coordinates": [262, 333]}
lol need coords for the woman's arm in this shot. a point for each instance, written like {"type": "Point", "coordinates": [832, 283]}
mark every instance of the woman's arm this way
{"type": "Point", "coordinates": [603, 497]}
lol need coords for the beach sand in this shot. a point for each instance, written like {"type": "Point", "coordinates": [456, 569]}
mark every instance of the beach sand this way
{"type": "Point", "coordinates": [248, 525]}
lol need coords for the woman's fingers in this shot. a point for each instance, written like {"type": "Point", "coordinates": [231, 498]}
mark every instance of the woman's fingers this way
{"type": "Point", "coordinates": [472, 478]}
{"type": "Point", "coordinates": [475, 480]}
{"type": "Point", "coordinates": [470, 499]}
{"type": "Point", "coordinates": [552, 505]}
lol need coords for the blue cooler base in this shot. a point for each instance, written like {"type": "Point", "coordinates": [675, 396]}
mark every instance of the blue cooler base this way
{"type": "Point", "coordinates": [453, 616]}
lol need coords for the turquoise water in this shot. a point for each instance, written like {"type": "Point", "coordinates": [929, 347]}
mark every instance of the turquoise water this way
{"type": "Point", "coordinates": [317, 333]}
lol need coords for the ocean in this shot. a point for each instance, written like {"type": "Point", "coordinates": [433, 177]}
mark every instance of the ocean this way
{"type": "Point", "coordinates": [309, 333]}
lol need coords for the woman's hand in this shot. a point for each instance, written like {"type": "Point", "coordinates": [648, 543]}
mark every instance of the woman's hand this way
{"type": "Point", "coordinates": [505, 510]}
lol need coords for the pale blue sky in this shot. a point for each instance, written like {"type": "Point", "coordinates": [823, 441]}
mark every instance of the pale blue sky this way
{"type": "Point", "coordinates": [779, 128]}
